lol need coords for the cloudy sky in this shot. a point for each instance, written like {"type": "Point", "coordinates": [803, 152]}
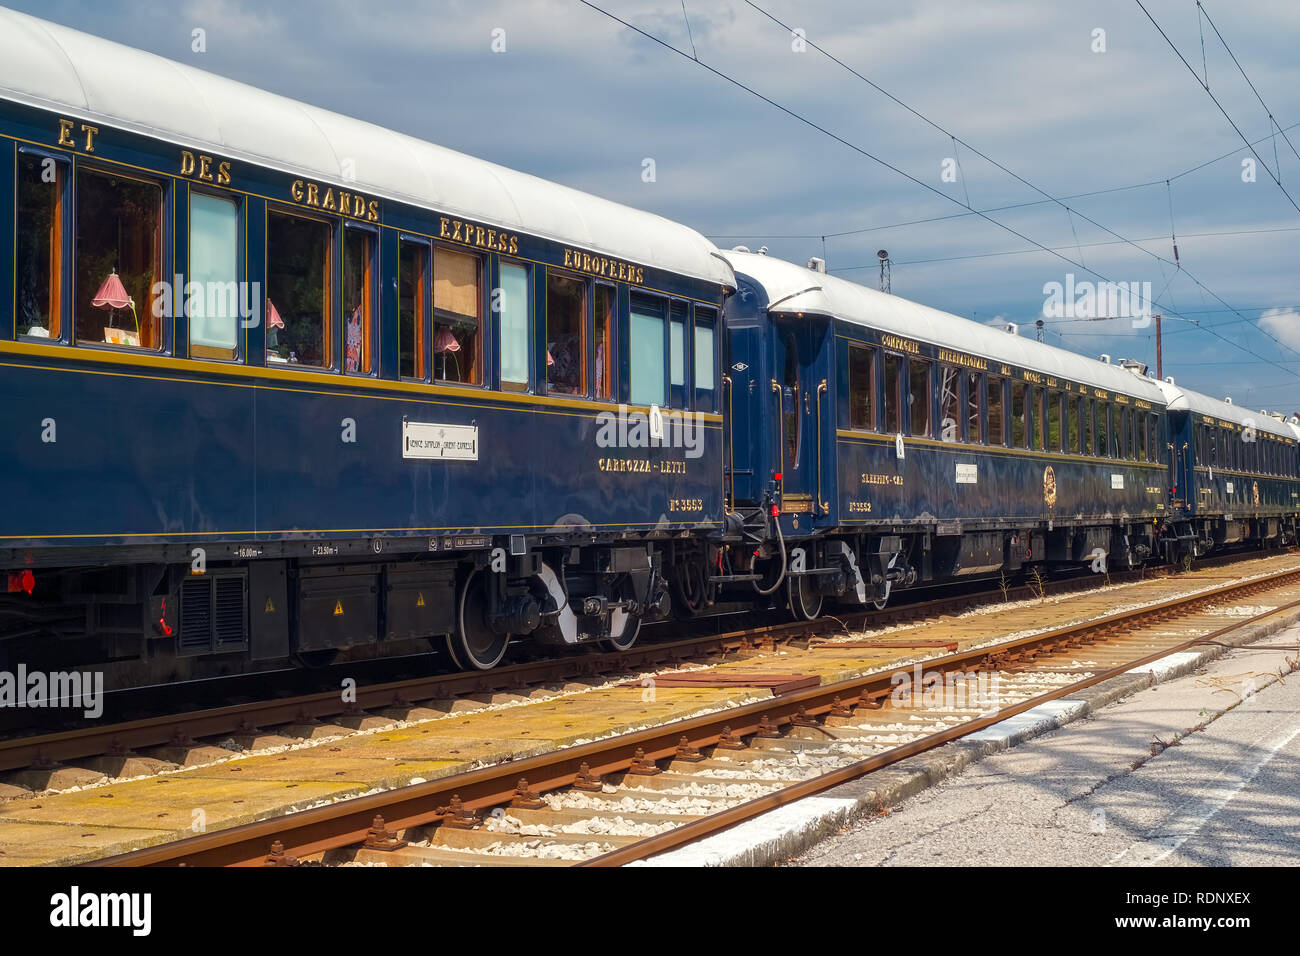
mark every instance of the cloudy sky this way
{"type": "Point", "coordinates": [578, 98]}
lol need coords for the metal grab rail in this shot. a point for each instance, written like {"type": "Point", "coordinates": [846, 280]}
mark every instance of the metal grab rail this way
{"type": "Point", "coordinates": [821, 389]}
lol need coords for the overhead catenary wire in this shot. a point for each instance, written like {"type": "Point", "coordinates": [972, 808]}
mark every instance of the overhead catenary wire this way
{"type": "Point", "coordinates": [1215, 99]}
{"type": "Point", "coordinates": [1019, 205]}
{"type": "Point", "coordinates": [794, 114]}
{"type": "Point", "coordinates": [1048, 197]}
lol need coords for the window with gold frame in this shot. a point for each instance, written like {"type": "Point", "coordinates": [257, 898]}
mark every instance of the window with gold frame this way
{"type": "Point", "coordinates": [457, 316]}
{"type": "Point", "coordinates": [299, 290]}
{"type": "Point", "coordinates": [119, 259]}
{"type": "Point", "coordinates": [358, 299]}
{"type": "Point", "coordinates": [40, 275]}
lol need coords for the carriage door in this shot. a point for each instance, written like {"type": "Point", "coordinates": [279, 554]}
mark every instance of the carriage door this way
{"type": "Point", "coordinates": [800, 398]}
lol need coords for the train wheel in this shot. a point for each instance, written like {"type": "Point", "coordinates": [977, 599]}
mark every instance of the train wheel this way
{"type": "Point", "coordinates": [883, 600]}
{"type": "Point", "coordinates": [626, 626]}
{"type": "Point", "coordinates": [474, 645]}
{"type": "Point", "coordinates": [805, 600]}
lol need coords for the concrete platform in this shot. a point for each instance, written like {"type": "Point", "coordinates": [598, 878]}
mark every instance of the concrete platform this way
{"type": "Point", "coordinates": [1081, 785]}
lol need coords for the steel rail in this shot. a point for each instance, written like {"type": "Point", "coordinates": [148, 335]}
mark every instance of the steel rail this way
{"type": "Point", "coordinates": [726, 819]}
{"type": "Point", "coordinates": [37, 749]}
{"type": "Point", "coordinates": [340, 824]}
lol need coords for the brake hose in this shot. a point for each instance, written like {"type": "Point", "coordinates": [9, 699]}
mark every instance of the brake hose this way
{"type": "Point", "coordinates": [780, 577]}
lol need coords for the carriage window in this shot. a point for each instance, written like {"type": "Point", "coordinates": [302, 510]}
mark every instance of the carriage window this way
{"type": "Point", "coordinates": [1089, 410]}
{"type": "Point", "coordinates": [1019, 433]}
{"type": "Point", "coordinates": [950, 404]}
{"type": "Point", "coordinates": [297, 290]}
{"type": "Point", "coordinates": [1054, 421]}
{"type": "Point", "coordinates": [677, 347]}
{"type": "Point", "coordinates": [918, 396]}
{"type": "Point", "coordinates": [893, 375]}
{"type": "Point", "coordinates": [1072, 406]}
{"type": "Point", "coordinates": [412, 297]}
{"type": "Point", "coordinates": [1036, 410]}
{"type": "Point", "coordinates": [39, 276]}
{"type": "Point", "coordinates": [705, 360]}
{"type": "Point", "coordinates": [862, 381]}
{"type": "Point", "coordinates": [1140, 453]}
{"type": "Point", "coordinates": [997, 431]}
{"type": "Point", "coordinates": [119, 258]}
{"type": "Point", "coordinates": [514, 302]}
{"type": "Point", "coordinates": [457, 316]}
{"type": "Point", "coordinates": [214, 268]}
{"type": "Point", "coordinates": [646, 351]}
{"type": "Point", "coordinates": [974, 393]}
{"type": "Point", "coordinates": [566, 323]}
{"type": "Point", "coordinates": [357, 258]}
{"type": "Point", "coordinates": [605, 299]}
{"type": "Point", "coordinates": [1103, 430]}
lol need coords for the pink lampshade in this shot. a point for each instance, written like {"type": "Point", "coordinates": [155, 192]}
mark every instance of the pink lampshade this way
{"type": "Point", "coordinates": [444, 341]}
{"type": "Point", "coordinates": [273, 320]}
{"type": "Point", "coordinates": [112, 294]}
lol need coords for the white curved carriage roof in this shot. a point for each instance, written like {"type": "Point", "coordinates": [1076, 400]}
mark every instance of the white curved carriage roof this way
{"type": "Point", "coordinates": [795, 288]}
{"type": "Point", "coordinates": [1184, 399]}
{"type": "Point", "coordinates": [53, 67]}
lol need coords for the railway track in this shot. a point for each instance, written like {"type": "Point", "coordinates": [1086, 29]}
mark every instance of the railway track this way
{"type": "Point", "coordinates": [627, 795]}
{"type": "Point", "coordinates": [169, 733]}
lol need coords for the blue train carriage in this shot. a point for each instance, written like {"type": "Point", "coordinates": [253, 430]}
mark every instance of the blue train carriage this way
{"type": "Point", "coordinates": [1235, 474]}
{"type": "Point", "coordinates": [284, 384]}
{"type": "Point", "coordinates": [898, 444]}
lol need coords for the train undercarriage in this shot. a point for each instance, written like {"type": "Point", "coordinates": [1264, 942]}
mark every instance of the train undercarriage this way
{"type": "Point", "coordinates": [163, 622]}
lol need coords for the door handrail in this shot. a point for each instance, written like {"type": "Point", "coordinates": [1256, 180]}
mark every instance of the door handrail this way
{"type": "Point", "coordinates": [820, 503]}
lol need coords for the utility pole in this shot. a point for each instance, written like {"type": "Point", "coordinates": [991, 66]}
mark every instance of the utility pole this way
{"type": "Point", "coordinates": [1160, 363]}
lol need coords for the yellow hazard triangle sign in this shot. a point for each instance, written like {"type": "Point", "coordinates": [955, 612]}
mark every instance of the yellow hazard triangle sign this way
{"type": "Point", "coordinates": [338, 609]}
{"type": "Point", "coordinates": [419, 599]}
{"type": "Point", "coordinates": [270, 608]}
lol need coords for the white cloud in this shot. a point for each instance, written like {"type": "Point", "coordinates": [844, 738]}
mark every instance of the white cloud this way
{"type": "Point", "coordinates": [1283, 323]}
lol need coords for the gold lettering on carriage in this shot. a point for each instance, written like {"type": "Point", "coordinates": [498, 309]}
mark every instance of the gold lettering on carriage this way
{"type": "Point", "coordinates": [601, 266]}
{"type": "Point", "coordinates": [328, 199]}
{"type": "Point", "coordinates": [902, 344]}
{"type": "Point", "coordinates": [480, 237]}
{"type": "Point", "coordinates": [198, 166]}
{"type": "Point", "coordinates": [960, 358]}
